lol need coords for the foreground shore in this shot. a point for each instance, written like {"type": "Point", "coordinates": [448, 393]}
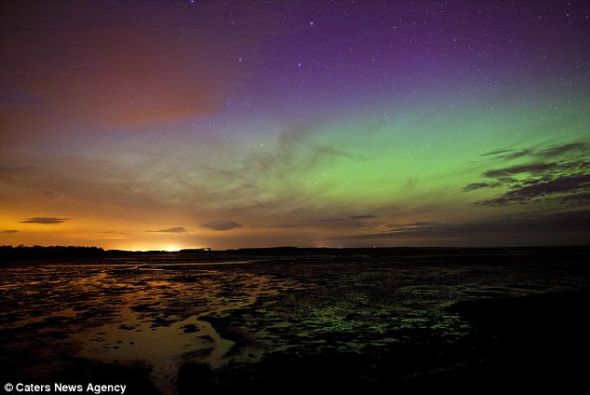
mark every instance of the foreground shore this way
{"type": "Point", "coordinates": [477, 319]}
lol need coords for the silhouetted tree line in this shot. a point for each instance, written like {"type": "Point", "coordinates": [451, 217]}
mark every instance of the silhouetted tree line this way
{"type": "Point", "coordinates": [10, 253]}
{"type": "Point", "coordinates": [435, 254]}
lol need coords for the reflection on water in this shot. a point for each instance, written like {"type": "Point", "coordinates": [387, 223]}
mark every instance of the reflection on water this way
{"type": "Point", "coordinates": [226, 315]}
{"type": "Point", "coordinates": [135, 313]}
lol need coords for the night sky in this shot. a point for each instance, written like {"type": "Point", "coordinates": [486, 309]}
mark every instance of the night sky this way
{"type": "Point", "coordinates": [205, 123]}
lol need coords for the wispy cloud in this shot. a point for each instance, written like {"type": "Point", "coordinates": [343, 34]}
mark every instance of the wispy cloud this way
{"type": "Point", "coordinates": [545, 152]}
{"type": "Point", "coordinates": [9, 231]}
{"type": "Point", "coordinates": [480, 185]}
{"type": "Point", "coordinates": [558, 150]}
{"type": "Point", "coordinates": [535, 189]}
{"type": "Point", "coordinates": [364, 216]}
{"type": "Point", "coordinates": [527, 168]}
{"type": "Point", "coordinates": [575, 222]}
{"type": "Point", "coordinates": [563, 175]}
{"type": "Point", "coordinates": [44, 220]}
{"type": "Point", "coordinates": [330, 221]}
{"type": "Point", "coordinates": [222, 225]}
{"type": "Point", "coordinates": [179, 230]}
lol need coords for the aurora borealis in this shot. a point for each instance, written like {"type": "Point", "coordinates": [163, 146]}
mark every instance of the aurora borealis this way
{"type": "Point", "coordinates": [180, 124]}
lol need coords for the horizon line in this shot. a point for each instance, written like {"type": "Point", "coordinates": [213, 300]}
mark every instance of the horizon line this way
{"type": "Point", "coordinates": [207, 249]}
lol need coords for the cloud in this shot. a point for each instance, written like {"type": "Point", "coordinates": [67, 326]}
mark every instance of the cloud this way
{"type": "Point", "coordinates": [479, 185]}
{"type": "Point", "coordinates": [559, 150]}
{"type": "Point", "coordinates": [222, 225]}
{"type": "Point", "coordinates": [43, 220]}
{"type": "Point", "coordinates": [10, 231]}
{"type": "Point", "coordinates": [536, 189]}
{"type": "Point", "coordinates": [572, 223]}
{"type": "Point", "coordinates": [518, 154]}
{"type": "Point", "coordinates": [575, 199]}
{"type": "Point", "coordinates": [118, 69]}
{"type": "Point", "coordinates": [511, 154]}
{"type": "Point", "coordinates": [564, 180]}
{"type": "Point", "coordinates": [546, 153]}
{"type": "Point", "coordinates": [508, 153]}
{"type": "Point", "coordinates": [180, 230]}
{"type": "Point", "coordinates": [497, 152]}
{"type": "Point", "coordinates": [327, 222]}
{"type": "Point", "coordinates": [409, 228]}
{"type": "Point", "coordinates": [330, 151]}
{"type": "Point", "coordinates": [527, 168]}
{"type": "Point", "coordinates": [361, 217]}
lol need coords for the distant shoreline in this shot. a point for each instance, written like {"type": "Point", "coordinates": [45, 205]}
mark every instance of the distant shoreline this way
{"type": "Point", "coordinates": [32, 254]}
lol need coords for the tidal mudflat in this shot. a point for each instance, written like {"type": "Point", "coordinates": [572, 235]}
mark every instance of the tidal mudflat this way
{"type": "Point", "coordinates": [358, 319]}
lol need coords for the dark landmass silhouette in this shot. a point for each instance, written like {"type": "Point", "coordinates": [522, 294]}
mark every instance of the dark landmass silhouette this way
{"type": "Point", "coordinates": [81, 253]}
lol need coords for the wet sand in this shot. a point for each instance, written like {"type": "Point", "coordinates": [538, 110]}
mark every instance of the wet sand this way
{"type": "Point", "coordinates": [370, 320]}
